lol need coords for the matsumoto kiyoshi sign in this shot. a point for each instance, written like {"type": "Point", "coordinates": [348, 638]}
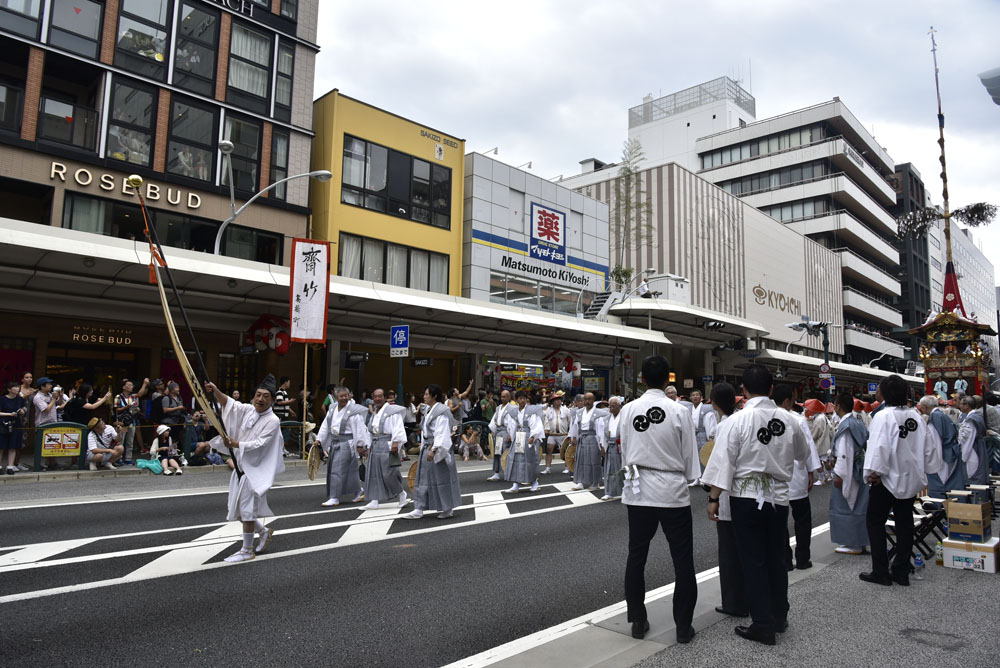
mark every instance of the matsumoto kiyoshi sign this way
{"type": "Point", "coordinates": [515, 266]}
{"type": "Point", "coordinates": [548, 234]}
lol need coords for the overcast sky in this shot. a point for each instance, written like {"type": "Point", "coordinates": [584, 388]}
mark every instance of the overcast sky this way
{"type": "Point", "coordinates": [550, 81]}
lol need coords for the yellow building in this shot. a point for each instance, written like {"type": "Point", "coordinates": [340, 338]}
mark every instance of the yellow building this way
{"type": "Point", "coordinates": [393, 208]}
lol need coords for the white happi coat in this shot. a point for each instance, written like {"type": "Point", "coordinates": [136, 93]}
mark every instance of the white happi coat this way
{"type": "Point", "coordinates": [761, 441]}
{"type": "Point", "coordinates": [609, 430]}
{"type": "Point", "coordinates": [524, 419]}
{"type": "Point", "coordinates": [583, 421]}
{"type": "Point", "coordinates": [657, 437]}
{"type": "Point", "coordinates": [557, 424]}
{"type": "Point", "coordinates": [821, 429]}
{"type": "Point", "coordinates": [355, 426]}
{"type": "Point", "coordinates": [798, 486]}
{"type": "Point", "coordinates": [259, 456]}
{"type": "Point", "coordinates": [843, 450]}
{"type": "Point", "coordinates": [899, 451]}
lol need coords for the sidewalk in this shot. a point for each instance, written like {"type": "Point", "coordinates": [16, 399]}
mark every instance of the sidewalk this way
{"type": "Point", "coordinates": [945, 620]}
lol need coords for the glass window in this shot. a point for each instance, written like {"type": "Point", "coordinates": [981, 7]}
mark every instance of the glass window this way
{"type": "Point", "coordinates": [249, 68]}
{"type": "Point", "coordinates": [498, 288]}
{"type": "Point", "coordinates": [249, 244]}
{"type": "Point", "coordinates": [565, 300]}
{"type": "Point", "coordinates": [419, 262]}
{"type": "Point", "coordinates": [289, 8]}
{"type": "Point", "coordinates": [20, 16]}
{"type": "Point", "coordinates": [439, 274]}
{"type": "Point", "coordinates": [522, 292]}
{"type": "Point", "coordinates": [194, 58]}
{"type": "Point", "coordinates": [245, 136]}
{"type": "Point", "coordinates": [374, 260]}
{"type": "Point", "coordinates": [76, 26]}
{"type": "Point", "coordinates": [191, 150]}
{"type": "Point", "coordinates": [142, 37]}
{"type": "Point", "coordinates": [130, 129]}
{"type": "Point", "coordinates": [396, 265]}
{"type": "Point", "coordinates": [934, 241]}
{"type": "Point", "coordinates": [283, 83]}
{"type": "Point", "coordinates": [279, 163]}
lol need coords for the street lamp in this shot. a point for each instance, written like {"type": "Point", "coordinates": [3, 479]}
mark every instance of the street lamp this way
{"type": "Point", "coordinates": [815, 328]}
{"type": "Point", "coordinates": [871, 364]}
{"type": "Point", "coordinates": [226, 148]}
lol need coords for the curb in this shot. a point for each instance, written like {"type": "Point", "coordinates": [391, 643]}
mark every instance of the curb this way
{"type": "Point", "coordinates": [124, 472]}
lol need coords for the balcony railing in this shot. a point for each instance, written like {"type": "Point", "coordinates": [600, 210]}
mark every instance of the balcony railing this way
{"type": "Point", "coordinates": [67, 123]}
{"type": "Point", "coordinates": [11, 103]}
{"type": "Point", "coordinates": [868, 263]}
{"type": "Point", "coordinates": [882, 301]}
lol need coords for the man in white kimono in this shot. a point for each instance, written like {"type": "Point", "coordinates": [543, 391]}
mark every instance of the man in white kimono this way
{"type": "Point", "coordinates": [498, 427]}
{"type": "Point", "coordinates": [556, 422]}
{"type": "Point", "coordinates": [344, 436]}
{"type": "Point", "coordinates": [588, 470]}
{"type": "Point", "coordinates": [253, 435]}
{"type": "Point", "coordinates": [753, 461]}
{"type": "Point", "coordinates": [803, 477]}
{"type": "Point", "coordinates": [820, 426]}
{"type": "Point", "coordinates": [944, 437]}
{"type": "Point", "coordinates": [660, 457]}
{"type": "Point", "coordinates": [703, 417]}
{"type": "Point", "coordinates": [849, 496]}
{"type": "Point", "coordinates": [972, 437]}
{"type": "Point", "coordinates": [941, 389]}
{"type": "Point", "coordinates": [524, 426]}
{"type": "Point", "coordinates": [897, 461]}
{"type": "Point", "coordinates": [383, 479]}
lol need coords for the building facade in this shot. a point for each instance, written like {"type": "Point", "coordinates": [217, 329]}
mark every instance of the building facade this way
{"type": "Point", "coordinates": [976, 283]}
{"type": "Point", "coordinates": [93, 91]}
{"type": "Point", "coordinates": [915, 261]}
{"type": "Point", "coordinates": [820, 172]}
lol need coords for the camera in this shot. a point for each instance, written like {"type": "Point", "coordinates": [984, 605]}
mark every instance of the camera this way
{"type": "Point", "coordinates": [57, 388]}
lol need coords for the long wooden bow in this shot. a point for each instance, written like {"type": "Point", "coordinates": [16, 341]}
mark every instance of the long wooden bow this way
{"type": "Point", "coordinates": [156, 261]}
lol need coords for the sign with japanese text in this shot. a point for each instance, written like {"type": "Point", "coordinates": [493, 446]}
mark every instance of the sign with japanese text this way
{"type": "Point", "coordinates": [548, 234]}
{"type": "Point", "coordinates": [61, 442]}
{"type": "Point", "coordinates": [309, 290]}
{"type": "Point", "coordinates": [399, 341]}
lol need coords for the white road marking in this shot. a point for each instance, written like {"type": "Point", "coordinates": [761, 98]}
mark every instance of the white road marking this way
{"type": "Point", "coordinates": [545, 636]}
{"type": "Point", "coordinates": [363, 530]}
{"type": "Point", "coordinates": [192, 556]}
{"type": "Point", "coordinates": [490, 506]}
{"type": "Point", "coordinates": [29, 554]}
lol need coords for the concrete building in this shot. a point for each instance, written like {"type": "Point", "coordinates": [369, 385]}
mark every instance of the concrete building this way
{"type": "Point", "coordinates": [976, 282]}
{"type": "Point", "coordinates": [820, 172]}
{"type": "Point", "coordinates": [91, 92]}
{"type": "Point", "coordinates": [915, 260]}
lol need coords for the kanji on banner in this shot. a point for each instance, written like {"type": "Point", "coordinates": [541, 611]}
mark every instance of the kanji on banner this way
{"type": "Point", "coordinates": [309, 291]}
{"type": "Point", "coordinates": [548, 234]}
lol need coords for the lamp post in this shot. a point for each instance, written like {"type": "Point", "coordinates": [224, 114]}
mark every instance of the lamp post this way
{"type": "Point", "coordinates": [815, 328]}
{"type": "Point", "coordinates": [226, 147]}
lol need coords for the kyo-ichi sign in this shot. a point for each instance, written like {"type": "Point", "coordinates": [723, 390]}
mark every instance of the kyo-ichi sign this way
{"type": "Point", "coordinates": [548, 234]}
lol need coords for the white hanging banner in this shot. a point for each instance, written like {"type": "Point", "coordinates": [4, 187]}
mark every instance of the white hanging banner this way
{"type": "Point", "coordinates": [309, 292]}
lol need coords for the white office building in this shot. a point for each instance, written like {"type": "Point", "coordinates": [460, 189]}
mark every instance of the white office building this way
{"type": "Point", "coordinates": [976, 281]}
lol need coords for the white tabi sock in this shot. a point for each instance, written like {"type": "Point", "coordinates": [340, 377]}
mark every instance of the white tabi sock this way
{"type": "Point", "coordinates": [248, 541]}
{"type": "Point", "coordinates": [258, 526]}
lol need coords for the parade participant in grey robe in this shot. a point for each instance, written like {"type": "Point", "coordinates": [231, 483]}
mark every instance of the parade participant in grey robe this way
{"type": "Point", "coordinates": [660, 459]}
{"type": "Point", "coordinates": [611, 447]}
{"type": "Point", "coordinates": [588, 471]}
{"type": "Point", "coordinates": [754, 461]}
{"type": "Point", "coordinates": [849, 496]}
{"type": "Point", "coordinates": [972, 436]}
{"type": "Point", "coordinates": [383, 479]}
{"type": "Point", "coordinates": [944, 436]}
{"type": "Point", "coordinates": [898, 458]}
{"type": "Point", "coordinates": [803, 477]}
{"type": "Point", "coordinates": [703, 417]}
{"type": "Point", "coordinates": [524, 427]}
{"type": "Point", "coordinates": [498, 427]}
{"type": "Point", "coordinates": [556, 422]}
{"type": "Point", "coordinates": [344, 436]}
{"type": "Point", "coordinates": [574, 412]}
{"type": "Point", "coordinates": [436, 486]}
{"type": "Point", "coordinates": [254, 439]}
{"type": "Point", "coordinates": [734, 598]}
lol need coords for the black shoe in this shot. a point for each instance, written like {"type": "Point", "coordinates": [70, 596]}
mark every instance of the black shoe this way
{"type": "Point", "coordinates": [685, 636]}
{"type": "Point", "coordinates": [789, 567]}
{"type": "Point", "coordinates": [639, 629]}
{"type": "Point", "coordinates": [902, 580]}
{"type": "Point", "coordinates": [876, 579]}
{"type": "Point", "coordinates": [781, 627]}
{"type": "Point", "coordinates": [803, 565]}
{"type": "Point", "coordinates": [731, 613]}
{"type": "Point", "coordinates": [751, 633]}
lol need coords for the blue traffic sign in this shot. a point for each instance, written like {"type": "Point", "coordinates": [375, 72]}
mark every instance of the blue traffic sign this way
{"type": "Point", "coordinates": [872, 388]}
{"type": "Point", "coordinates": [399, 341]}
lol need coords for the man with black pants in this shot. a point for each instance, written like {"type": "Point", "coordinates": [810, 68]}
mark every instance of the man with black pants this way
{"type": "Point", "coordinates": [897, 461]}
{"type": "Point", "coordinates": [799, 486]}
{"type": "Point", "coordinates": [753, 461]}
{"type": "Point", "coordinates": [660, 457]}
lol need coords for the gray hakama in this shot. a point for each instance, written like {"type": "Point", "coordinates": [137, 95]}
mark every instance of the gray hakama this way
{"type": "Point", "coordinates": [343, 480]}
{"type": "Point", "coordinates": [499, 443]}
{"type": "Point", "coordinates": [847, 527]}
{"type": "Point", "coordinates": [613, 482]}
{"type": "Point", "coordinates": [436, 486]}
{"type": "Point", "coordinates": [522, 467]}
{"type": "Point", "coordinates": [382, 482]}
{"type": "Point", "coordinates": [588, 470]}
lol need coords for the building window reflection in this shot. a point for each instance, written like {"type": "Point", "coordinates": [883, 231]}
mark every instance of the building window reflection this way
{"type": "Point", "coordinates": [393, 264]}
{"type": "Point", "coordinates": [141, 44]}
{"type": "Point", "coordinates": [190, 151]}
{"type": "Point", "coordinates": [76, 26]}
{"type": "Point", "coordinates": [194, 57]}
{"type": "Point", "coordinates": [130, 130]}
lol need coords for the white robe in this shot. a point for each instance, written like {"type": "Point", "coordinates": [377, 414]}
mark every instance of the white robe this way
{"type": "Point", "coordinates": [967, 439]}
{"type": "Point", "coordinates": [762, 442]}
{"type": "Point", "coordinates": [798, 486]}
{"type": "Point", "coordinates": [708, 420]}
{"type": "Point", "coordinates": [843, 450]}
{"type": "Point", "coordinates": [901, 461]}
{"type": "Point", "coordinates": [821, 430]}
{"type": "Point", "coordinates": [657, 436]}
{"type": "Point", "coordinates": [259, 455]}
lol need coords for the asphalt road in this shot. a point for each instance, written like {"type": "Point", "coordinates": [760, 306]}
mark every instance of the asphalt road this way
{"type": "Point", "coordinates": [91, 584]}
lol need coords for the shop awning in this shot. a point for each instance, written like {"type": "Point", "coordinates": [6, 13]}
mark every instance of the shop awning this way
{"type": "Point", "coordinates": [684, 323]}
{"type": "Point", "coordinates": [67, 272]}
{"type": "Point", "coordinates": [798, 367]}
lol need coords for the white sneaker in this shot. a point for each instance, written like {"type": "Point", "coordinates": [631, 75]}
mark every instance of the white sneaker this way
{"type": "Point", "coordinates": [513, 488]}
{"type": "Point", "coordinates": [403, 500]}
{"type": "Point", "coordinates": [534, 486]}
{"type": "Point", "coordinates": [371, 505]}
{"type": "Point", "coordinates": [168, 472]}
{"type": "Point", "coordinates": [605, 498]}
{"type": "Point", "coordinates": [108, 465]}
{"type": "Point", "coordinates": [447, 515]}
{"type": "Point", "coordinates": [546, 471]}
{"type": "Point", "coordinates": [242, 555]}
{"type": "Point", "coordinates": [330, 502]}
{"type": "Point", "coordinates": [495, 476]}
{"type": "Point", "coordinates": [413, 515]}
{"type": "Point", "coordinates": [566, 471]}
{"type": "Point", "coordinates": [576, 487]}
{"type": "Point", "coordinates": [92, 466]}
{"type": "Point", "coordinates": [264, 539]}
{"type": "Point", "coordinates": [179, 471]}
{"type": "Point", "coordinates": [22, 468]}
{"type": "Point", "coordinates": [360, 497]}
